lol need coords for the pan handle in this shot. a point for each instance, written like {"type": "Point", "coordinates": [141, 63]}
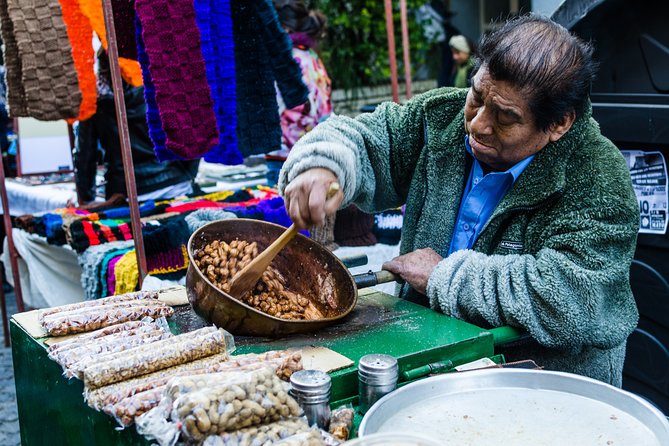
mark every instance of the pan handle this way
{"type": "Point", "coordinates": [373, 278]}
{"type": "Point", "coordinates": [354, 260]}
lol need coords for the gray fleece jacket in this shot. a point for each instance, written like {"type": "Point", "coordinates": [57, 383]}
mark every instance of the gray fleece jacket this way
{"type": "Point", "coordinates": [554, 257]}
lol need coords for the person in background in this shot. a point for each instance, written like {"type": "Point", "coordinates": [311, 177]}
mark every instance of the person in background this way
{"type": "Point", "coordinates": [155, 180]}
{"type": "Point", "coordinates": [461, 50]}
{"type": "Point", "coordinates": [518, 210]}
{"type": "Point", "coordinates": [305, 28]}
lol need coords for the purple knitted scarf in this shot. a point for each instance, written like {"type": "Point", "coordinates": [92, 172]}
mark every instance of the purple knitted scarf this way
{"type": "Point", "coordinates": [172, 42]}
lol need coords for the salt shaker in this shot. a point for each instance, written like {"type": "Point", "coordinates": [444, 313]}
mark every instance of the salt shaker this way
{"type": "Point", "coordinates": [377, 376]}
{"type": "Point", "coordinates": [311, 390]}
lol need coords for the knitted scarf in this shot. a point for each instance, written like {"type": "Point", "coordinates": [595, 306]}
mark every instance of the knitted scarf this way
{"type": "Point", "coordinates": [45, 56]}
{"type": "Point", "coordinates": [111, 275]}
{"type": "Point", "coordinates": [215, 23]}
{"type": "Point", "coordinates": [91, 260]}
{"type": "Point", "coordinates": [172, 42]}
{"type": "Point", "coordinates": [124, 24]}
{"type": "Point", "coordinates": [153, 121]}
{"type": "Point", "coordinates": [129, 68]}
{"type": "Point", "coordinates": [16, 96]}
{"type": "Point", "coordinates": [126, 273]}
{"type": "Point", "coordinates": [263, 54]}
{"type": "Point", "coordinates": [80, 33]}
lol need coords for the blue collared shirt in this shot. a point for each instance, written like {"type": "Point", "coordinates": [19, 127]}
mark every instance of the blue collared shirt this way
{"type": "Point", "coordinates": [481, 196]}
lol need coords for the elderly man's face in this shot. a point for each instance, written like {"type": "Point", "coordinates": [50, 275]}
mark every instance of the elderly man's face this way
{"type": "Point", "coordinates": [500, 124]}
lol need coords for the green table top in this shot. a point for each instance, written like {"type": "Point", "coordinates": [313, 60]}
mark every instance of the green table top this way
{"type": "Point", "coordinates": [52, 409]}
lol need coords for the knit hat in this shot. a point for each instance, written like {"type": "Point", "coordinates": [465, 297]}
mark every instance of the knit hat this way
{"type": "Point", "coordinates": [46, 64]}
{"type": "Point", "coordinates": [460, 43]}
{"type": "Point", "coordinates": [201, 217]}
{"type": "Point", "coordinates": [354, 227]}
{"type": "Point", "coordinates": [172, 42]}
{"type": "Point", "coordinates": [80, 33]}
{"type": "Point", "coordinates": [16, 100]}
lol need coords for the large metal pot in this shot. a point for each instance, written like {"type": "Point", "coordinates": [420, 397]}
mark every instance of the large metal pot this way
{"type": "Point", "coordinates": [518, 407]}
{"type": "Point", "coordinates": [309, 268]}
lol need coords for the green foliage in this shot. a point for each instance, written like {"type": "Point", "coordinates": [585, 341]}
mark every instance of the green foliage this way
{"type": "Point", "coordinates": [355, 50]}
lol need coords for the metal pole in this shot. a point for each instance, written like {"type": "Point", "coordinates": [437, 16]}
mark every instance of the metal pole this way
{"type": "Point", "coordinates": [405, 47]}
{"type": "Point", "coordinates": [124, 135]}
{"type": "Point", "coordinates": [13, 255]}
{"type": "Point", "coordinates": [3, 302]}
{"type": "Point", "coordinates": [392, 57]}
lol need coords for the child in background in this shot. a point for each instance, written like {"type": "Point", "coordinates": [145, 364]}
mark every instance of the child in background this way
{"type": "Point", "coordinates": [464, 63]}
{"type": "Point", "coordinates": [305, 29]}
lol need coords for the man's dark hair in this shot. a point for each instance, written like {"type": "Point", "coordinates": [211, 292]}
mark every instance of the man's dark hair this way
{"type": "Point", "coordinates": [541, 57]}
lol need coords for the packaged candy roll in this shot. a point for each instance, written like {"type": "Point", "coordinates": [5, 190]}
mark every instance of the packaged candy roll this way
{"type": "Point", "coordinates": [265, 434]}
{"type": "Point", "coordinates": [134, 296]}
{"type": "Point", "coordinates": [159, 355]}
{"type": "Point", "coordinates": [89, 319]}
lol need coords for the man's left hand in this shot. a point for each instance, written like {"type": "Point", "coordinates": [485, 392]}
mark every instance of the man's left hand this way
{"type": "Point", "coordinates": [415, 267]}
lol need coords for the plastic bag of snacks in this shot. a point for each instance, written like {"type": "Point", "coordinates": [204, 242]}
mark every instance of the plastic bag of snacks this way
{"type": "Point", "coordinates": [311, 438]}
{"type": "Point", "coordinates": [91, 318]}
{"type": "Point", "coordinates": [159, 355]}
{"type": "Point", "coordinates": [341, 421]}
{"type": "Point", "coordinates": [74, 357]}
{"type": "Point", "coordinates": [126, 403]}
{"type": "Point", "coordinates": [286, 362]}
{"type": "Point", "coordinates": [203, 405]}
{"type": "Point", "coordinates": [265, 434]}
{"type": "Point", "coordinates": [55, 350]}
{"type": "Point", "coordinates": [111, 300]}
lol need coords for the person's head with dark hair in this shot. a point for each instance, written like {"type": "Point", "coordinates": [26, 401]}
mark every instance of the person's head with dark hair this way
{"type": "Point", "coordinates": [297, 18]}
{"type": "Point", "coordinates": [530, 83]}
{"type": "Point", "coordinates": [540, 56]}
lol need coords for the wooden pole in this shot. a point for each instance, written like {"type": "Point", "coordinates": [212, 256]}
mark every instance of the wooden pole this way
{"type": "Point", "coordinates": [392, 56]}
{"type": "Point", "coordinates": [124, 135]}
{"type": "Point", "coordinates": [405, 47]}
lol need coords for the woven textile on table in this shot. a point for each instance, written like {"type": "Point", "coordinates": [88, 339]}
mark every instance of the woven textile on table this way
{"type": "Point", "coordinates": [80, 33]}
{"type": "Point", "coordinates": [172, 42]}
{"type": "Point", "coordinates": [51, 90]}
{"type": "Point", "coordinates": [263, 54]}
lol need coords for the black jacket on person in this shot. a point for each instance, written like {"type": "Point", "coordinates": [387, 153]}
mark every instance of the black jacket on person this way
{"type": "Point", "coordinates": [150, 174]}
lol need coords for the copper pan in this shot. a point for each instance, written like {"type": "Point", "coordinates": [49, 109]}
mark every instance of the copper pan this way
{"type": "Point", "coordinates": [309, 268]}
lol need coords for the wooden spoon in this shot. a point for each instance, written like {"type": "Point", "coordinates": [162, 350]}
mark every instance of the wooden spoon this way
{"type": "Point", "coordinates": [246, 279]}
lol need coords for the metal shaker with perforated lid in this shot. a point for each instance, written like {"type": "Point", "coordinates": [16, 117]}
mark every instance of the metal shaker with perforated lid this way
{"type": "Point", "coordinates": [311, 390]}
{"type": "Point", "coordinates": [377, 376]}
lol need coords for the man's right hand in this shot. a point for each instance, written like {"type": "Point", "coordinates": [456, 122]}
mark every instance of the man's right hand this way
{"type": "Point", "coordinates": [306, 197]}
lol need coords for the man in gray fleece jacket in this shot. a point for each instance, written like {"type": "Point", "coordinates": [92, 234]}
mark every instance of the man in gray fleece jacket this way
{"type": "Point", "coordinates": [518, 211]}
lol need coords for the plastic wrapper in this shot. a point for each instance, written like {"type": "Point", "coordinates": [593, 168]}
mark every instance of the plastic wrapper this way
{"type": "Point", "coordinates": [311, 438]}
{"type": "Point", "coordinates": [265, 434]}
{"type": "Point", "coordinates": [138, 295]}
{"type": "Point", "coordinates": [127, 409]}
{"type": "Point", "coordinates": [74, 342]}
{"type": "Point", "coordinates": [159, 355]}
{"type": "Point", "coordinates": [89, 319]}
{"type": "Point", "coordinates": [203, 405]}
{"type": "Point", "coordinates": [285, 362]}
{"type": "Point", "coordinates": [77, 360]}
{"type": "Point", "coordinates": [341, 421]}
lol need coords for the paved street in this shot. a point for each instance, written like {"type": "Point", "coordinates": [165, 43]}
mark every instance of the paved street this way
{"type": "Point", "coordinates": [9, 422]}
